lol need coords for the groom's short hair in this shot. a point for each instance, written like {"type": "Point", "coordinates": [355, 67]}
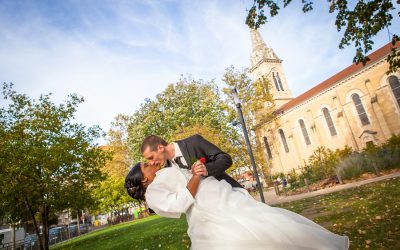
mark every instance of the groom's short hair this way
{"type": "Point", "coordinates": [152, 141]}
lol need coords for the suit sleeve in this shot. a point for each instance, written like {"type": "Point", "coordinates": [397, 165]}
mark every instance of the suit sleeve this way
{"type": "Point", "coordinates": [217, 160]}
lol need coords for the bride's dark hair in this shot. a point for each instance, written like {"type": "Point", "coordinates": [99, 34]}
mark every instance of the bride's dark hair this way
{"type": "Point", "coordinates": [133, 183]}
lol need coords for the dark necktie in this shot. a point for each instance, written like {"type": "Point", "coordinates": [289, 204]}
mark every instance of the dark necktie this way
{"type": "Point", "coordinates": [179, 162]}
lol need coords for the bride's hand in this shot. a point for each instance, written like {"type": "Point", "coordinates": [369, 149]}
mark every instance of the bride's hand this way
{"type": "Point", "coordinates": [199, 170]}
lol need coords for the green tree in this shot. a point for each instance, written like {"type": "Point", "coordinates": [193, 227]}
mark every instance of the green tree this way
{"type": "Point", "coordinates": [111, 196]}
{"type": "Point", "coordinates": [48, 163]}
{"type": "Point", "coordinates": [323, 163]}
{"type": "Point", "coordinates": [361, 21]}
{"type": "Point", "coordinates": [182, 108]}
{"type": "Point", "coordinates": [233, 146]}
{"type": "Point", "coordinates": [258, 109]}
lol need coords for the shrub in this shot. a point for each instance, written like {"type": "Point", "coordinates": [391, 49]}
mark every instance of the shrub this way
{"type": "Point", "coordinates": [307, 172]}
{"type": "Point", "coordinates": [293, 180]}
{"type": "Point", "coordinates": [392, 142]}
{"type": "Point", "coordinates": [389, 158]}
{"type": "Point", "coordinates": [351, 166]}
{"type": "Point", "coordinates": [386, 156]}
{"type": "Point", "coordinates": [323, 162]}
{"type": "Point", "coordinates": [344, 152]}
{"type": "Point", "coordinates": [390, 153]}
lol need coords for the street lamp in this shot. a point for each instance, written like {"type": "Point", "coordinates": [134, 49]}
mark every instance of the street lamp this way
{"type": "Point", "coordinates": [246, 137]}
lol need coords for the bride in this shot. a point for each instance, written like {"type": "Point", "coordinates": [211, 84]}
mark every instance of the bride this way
{"type": "Point", "coordinates": [222, 217]}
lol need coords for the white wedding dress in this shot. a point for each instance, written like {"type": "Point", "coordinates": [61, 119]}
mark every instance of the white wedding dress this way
{"type": "Point", "coordinates": [222, 217]}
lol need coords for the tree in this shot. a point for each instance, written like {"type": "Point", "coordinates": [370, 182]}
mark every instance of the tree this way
{"type": "Point", "coordinates": [323, 162]}
{"type": "Point", "coordinates": [360, 21]}
{"type": "Point", "coordinates": [182, 108]}
{"type": "Point", "coordinates": [48, 163]}
{"type": "Point", "coordinates": [233, 146]}
{"type": "Point", "coordinates": [257, 106]}
{"type": "Point", "coordinates": [111, 196]}
{"type": "Point", "coordinates": [117, 143]}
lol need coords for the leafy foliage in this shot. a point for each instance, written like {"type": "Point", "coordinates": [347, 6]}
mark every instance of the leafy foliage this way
{"type": "Point", "coordinates": [351, 166]}
{"type": "Point", "coordinates": [257, 107]}
{"type": "Point", "coordinates": [346, 163]}
{"type": "Point", "coordinates": [323, 162]}
{"type": "Point", "coordinates": [48, 163]}
{"type": "Point", "coordinates": [111, 196]}
{"type": "Point", "coordinates": [257, 101]}
{"type": "Point", "coordinates": [186, 107]}
{"type": "Point", "coordinates": [361, 21]}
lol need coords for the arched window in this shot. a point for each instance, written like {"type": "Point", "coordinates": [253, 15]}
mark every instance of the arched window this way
{"type": "Point", "coordinates": [329, 122]}
{"type": "Point", "coordinates": [395, 85]}
{"type": "Point", "coordinates": [279, 81]}
{"type": "Point", "coordinates": [276, 82]}
{"type": "Point", "coordinates": [267, 147]}
{"type": "Point", "coordinates": [304, 131]}
{"type": "Point", "coordinates": [284, 142]}
{"type": "Point", "coordinates": [360, 109]}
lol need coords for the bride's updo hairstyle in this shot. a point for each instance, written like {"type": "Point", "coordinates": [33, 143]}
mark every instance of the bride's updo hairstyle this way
{"type": "Point", "coordinates": [133, 183]}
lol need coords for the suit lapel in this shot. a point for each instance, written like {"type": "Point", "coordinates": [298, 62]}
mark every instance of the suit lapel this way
{"type": "Point", "coordinates": [183, 147]}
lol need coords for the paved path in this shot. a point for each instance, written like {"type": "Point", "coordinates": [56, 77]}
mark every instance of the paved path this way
{"type": "Point", "coordinates": [271, 198]}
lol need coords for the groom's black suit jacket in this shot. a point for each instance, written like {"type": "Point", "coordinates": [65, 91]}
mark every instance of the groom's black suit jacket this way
{"type": "Point", "coordinates": [217, 161]}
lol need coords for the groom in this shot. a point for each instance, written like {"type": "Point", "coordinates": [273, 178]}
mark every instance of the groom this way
{"type": "Point", "coordinates": [185, 152]}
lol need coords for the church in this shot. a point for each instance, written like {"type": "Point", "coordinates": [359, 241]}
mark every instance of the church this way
{"type": "Point", "coordinates": [359, 105]}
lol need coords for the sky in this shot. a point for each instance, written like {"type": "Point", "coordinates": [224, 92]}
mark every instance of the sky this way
{"type": "Point", "coordinates": [117, 53]}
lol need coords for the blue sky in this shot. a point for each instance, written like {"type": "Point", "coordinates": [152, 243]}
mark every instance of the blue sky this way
{"type": "Point", "coordinates": [117, 53]}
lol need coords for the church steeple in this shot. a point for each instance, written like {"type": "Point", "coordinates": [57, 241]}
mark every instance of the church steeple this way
{"type": "Point", "coordinates": [261, 52]}
{"type": "Point", "coordinates": [265, 63]}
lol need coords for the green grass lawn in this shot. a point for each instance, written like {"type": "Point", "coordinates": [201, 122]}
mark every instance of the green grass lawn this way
{"type": "Point", "coordinates": [153, 232]}
{"type": "Point", "coordinates": [369, 215]}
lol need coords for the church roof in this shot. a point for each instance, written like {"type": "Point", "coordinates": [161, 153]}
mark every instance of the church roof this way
{"type": "Point", "coordinates": [374, 57]}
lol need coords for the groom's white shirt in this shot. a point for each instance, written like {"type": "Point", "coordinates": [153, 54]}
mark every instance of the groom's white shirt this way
{"type": "Point", "coordinates": [178, 153]}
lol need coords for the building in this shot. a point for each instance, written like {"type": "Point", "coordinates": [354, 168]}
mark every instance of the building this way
{"type": "Point", "coordinates": [359, 105]}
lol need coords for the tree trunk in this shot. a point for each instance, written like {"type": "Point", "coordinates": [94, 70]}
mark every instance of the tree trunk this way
{"type": "Point", "coordinates": [339, 178]}
{"type": "Point", "coordinates": [78, 224]}
{"type": "Point", "coordinates": [45, 216]}
{"type": "Point", "coordinates": [377, 172]}
{"type": "Point", "coordinates": [32, 214]}
{"type": "Point", "coordinates": [306, 182]}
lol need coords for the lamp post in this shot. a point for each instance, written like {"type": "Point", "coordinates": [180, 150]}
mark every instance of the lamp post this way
{"type": "Point", "coordinates": [246, 137]}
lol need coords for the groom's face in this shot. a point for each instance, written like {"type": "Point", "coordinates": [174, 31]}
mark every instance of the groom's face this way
{"type": "Point", "coordinates": [155, 157]}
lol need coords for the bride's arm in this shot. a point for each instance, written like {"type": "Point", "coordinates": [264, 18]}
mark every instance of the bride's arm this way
{"type": "Point", "coordinates": [170, 194]}
{"type": "Point", "coordinates": [194, 182]}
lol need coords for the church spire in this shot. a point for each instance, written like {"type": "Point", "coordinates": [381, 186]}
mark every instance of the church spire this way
{"type": "Point", "coordinates": [267, 65]}
{"type": "Point", "coordinates": [260, 50]}
{"type": "Point", "coordinates": [256, 40]}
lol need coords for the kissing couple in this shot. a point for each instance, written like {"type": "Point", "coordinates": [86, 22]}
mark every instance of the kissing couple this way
{"type": "Point", "coordinates": [220, 213]}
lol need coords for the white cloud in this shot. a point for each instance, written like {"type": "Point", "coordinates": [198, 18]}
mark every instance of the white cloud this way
{"type": "Point", "coordinates": [118, 53]}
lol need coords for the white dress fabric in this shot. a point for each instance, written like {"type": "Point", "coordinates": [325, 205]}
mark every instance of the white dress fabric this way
{"type": "Point", "coordinates": [222, 217]}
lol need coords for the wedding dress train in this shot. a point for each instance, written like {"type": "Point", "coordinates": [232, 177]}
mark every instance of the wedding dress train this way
{"type": "Point", "coordinates": [222, 217]}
